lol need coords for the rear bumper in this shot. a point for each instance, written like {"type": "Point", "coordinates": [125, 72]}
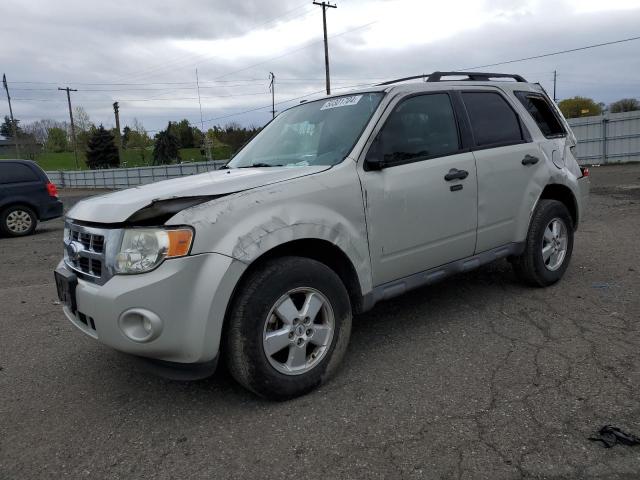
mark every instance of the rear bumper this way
{"type": "Point", "coordinates": [51, 210]}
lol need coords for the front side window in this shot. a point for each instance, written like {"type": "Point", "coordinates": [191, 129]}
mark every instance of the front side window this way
{"type": "Point", "coordinates": [420, 127]}
{"type": "Point", "coordinates": [543, 114]}
{"type": "Point", "coordinates": [493, 121]}
{"type": "Point", "coordinates": [322, 132]}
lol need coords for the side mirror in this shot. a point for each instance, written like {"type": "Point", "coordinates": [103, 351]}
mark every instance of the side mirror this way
{"type": "Point", "coordinates": [374, 159]}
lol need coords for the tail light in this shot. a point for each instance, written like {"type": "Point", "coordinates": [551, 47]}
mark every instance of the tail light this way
{"type": "Point", "coordinates": [52, 189]}
{"type": "Point", "coordinates": [585, 171]}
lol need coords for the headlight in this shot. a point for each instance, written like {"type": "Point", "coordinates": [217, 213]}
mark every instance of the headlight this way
{"type": "Point", "coordinates": [143, 249]}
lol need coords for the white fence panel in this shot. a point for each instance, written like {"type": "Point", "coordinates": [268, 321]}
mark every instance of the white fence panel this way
{"type": "Point", "coordinates": [609, 138]}
{"type": "Point", "coordinates": [129, 177]}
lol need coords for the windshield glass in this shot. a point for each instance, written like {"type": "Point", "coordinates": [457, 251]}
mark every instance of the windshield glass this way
{"type": "Point", "coordinates": [315, 133]}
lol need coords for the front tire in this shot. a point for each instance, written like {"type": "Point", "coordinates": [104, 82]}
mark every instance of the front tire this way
{"type": "Point", "coordinates": [548, 246]}
{"type": "Point", "coordinates": [288, 328]}
{"type": "Point", "coordinates": [18, 221]}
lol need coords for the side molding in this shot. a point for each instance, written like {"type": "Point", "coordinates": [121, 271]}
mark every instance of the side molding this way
{"type": "Point", "coordinates": [427, 277]}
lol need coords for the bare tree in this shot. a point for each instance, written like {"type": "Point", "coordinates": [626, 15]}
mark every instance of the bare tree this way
{"type": "Point", "coordinates": [625, 105]}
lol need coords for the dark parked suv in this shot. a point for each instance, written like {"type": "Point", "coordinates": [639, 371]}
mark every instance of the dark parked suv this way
{"type": "Point", "coordinates": [26, 196]}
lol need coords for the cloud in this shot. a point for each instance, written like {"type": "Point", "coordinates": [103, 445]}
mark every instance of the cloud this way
{"type": "Point", "coordinates": [144, 53]}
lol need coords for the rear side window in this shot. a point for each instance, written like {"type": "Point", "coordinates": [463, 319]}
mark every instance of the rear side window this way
{"type": "Point", "coordinates": [420, 127]}
{"type": "Point", "coordinates": [493, 121]}
{"type": "Point", "coordinates": [542, 113]}
{"type": "Point", "coordinates": [16, 172]}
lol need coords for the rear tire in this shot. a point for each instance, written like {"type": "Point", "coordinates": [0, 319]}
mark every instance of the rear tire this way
{"type": "Point", "coordinates": [548, 246]}
{"type": "Point", "coordinates": [18, 221]}
{"type": "Point", "coordinates": [288, 328]}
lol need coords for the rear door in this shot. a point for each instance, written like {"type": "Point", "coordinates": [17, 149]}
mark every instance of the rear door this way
{"type": "Point", "coordinates": [508, 165]}
{"type": "Point", "coordinates": [420, 215]}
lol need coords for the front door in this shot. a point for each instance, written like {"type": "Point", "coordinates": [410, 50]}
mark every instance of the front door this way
{"type": "Point", "coordinates": [421, 207]}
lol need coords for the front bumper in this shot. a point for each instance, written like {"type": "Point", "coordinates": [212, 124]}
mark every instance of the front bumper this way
{"type": "Point", "coordinates": [187, 298]}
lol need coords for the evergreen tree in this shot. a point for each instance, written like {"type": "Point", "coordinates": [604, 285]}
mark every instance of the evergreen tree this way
{"type": "Point", "coordinates": [6, 129]}
{"type": "Point", "coordinates": [102, 151]}
{"type": "Point", "coordinates": [126, 135]}
{"type": "Point", "coordinates": [183, 132]}
{"type": "Point", "coordinates": [167, 147]}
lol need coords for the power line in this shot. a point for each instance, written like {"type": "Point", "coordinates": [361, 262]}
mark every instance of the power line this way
{"type": "Point", "coordinates": [289, 52]}
{"type": "Point", "coordinates": [571, 50]}
{"type": "Point", "coordinates": [146, 99]}
{"type": "Point", "coordinates": [279, 103]}
{"type": "Point", "coordinates": [192, 84]}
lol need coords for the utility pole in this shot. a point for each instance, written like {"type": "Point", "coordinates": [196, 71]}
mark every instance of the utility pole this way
{"type": "Point", "coordinates": [555, 77]}
{"type": "Point", "coordinates": [324, 6]}
{"type": "Point", "coordinates": [13, 123]}
{"type": "Point", "coordinates": [73, 128]}
{"type": "Point", "coordinates": [272, 89]}
{"type": "Point", "coordinates": [207, 142]}
{"type": "Point", "coordinates": [116, 112]}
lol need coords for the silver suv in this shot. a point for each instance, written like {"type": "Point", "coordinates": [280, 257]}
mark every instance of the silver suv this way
{"type": "Point", "coordinates": [335, 205]}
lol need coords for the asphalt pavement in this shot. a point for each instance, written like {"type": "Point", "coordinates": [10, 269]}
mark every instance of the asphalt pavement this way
{"type": "Point", "coordinates": [476, 377]}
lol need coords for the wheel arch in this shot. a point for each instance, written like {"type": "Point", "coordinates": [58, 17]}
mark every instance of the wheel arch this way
{"type": "Point", "coordinates": [320, 250]}
{"type": "Point", "coordinates": [563, 194]}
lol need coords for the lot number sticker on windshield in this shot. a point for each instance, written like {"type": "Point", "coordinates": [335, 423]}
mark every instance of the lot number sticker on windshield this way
{"type": "Point", "coordinates": [341, 102]}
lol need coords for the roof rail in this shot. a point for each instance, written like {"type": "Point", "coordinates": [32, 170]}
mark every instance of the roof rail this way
{"type": "Point", "coordinates": [473, 76]}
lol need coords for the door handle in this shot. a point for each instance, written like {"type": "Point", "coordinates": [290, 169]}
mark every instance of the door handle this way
{"type": "Point", "coordinates": [530, 160]}
{"type": "Point", "coordinates": [455, 174]}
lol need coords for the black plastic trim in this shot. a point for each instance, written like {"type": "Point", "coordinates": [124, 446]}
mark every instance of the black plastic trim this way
{"type": "Point", "coordinates": [398, 287]}
{"type": "Point", "coordinates": [177, 371]}
{"type": "Point", "coordinates": [471, 76]}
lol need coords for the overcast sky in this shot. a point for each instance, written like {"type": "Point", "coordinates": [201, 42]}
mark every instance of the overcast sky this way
{"type": "Point", "coordinates": [144, 53]}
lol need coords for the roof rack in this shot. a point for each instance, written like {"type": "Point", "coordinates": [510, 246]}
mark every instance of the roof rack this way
{"type": "Point", "coordinates": [471, 76]}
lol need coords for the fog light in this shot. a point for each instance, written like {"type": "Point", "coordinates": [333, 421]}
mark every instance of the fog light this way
{"type": "Point", "coordinates": [140, 325]}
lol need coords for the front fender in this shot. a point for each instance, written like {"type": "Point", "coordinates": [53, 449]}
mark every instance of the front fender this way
{"type": "Point", "coordinates": [326, 206]}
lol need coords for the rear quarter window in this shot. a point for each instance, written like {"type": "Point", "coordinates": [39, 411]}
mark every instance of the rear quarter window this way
{"type": "Point", "coordinates": [543, 114]}
{"type": "Point", "coordinates": [11, 172]}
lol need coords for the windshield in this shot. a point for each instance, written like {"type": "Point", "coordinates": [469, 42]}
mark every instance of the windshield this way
{"type": "Point", "coordinates": [315, 133]}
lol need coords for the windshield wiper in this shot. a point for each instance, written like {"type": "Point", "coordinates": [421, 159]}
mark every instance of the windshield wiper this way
{"type": "Point", "coordinates": [259, 164]}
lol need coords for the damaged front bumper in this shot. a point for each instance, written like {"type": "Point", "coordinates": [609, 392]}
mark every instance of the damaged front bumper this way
{"type": "Point", "coordinates": [173, 313]}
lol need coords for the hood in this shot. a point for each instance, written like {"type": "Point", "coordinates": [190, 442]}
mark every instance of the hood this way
{"type": "Point", "coordinates": [119, 206]}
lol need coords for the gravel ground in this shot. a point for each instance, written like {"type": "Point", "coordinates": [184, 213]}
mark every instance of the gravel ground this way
{"type": "Point", "coordinates": [476, 377]}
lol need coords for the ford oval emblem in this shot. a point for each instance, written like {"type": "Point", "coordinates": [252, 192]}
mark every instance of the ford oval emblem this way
{"type": "Point", "coordinates": [73, 250]}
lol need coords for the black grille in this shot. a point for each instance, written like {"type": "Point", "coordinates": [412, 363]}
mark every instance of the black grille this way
{"type": "Point", "coordinates": [89, 265]}
{"type": "Point", "coordinates": [98, 243]}
{"type": "Point", "coordinates": [87, 320]}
